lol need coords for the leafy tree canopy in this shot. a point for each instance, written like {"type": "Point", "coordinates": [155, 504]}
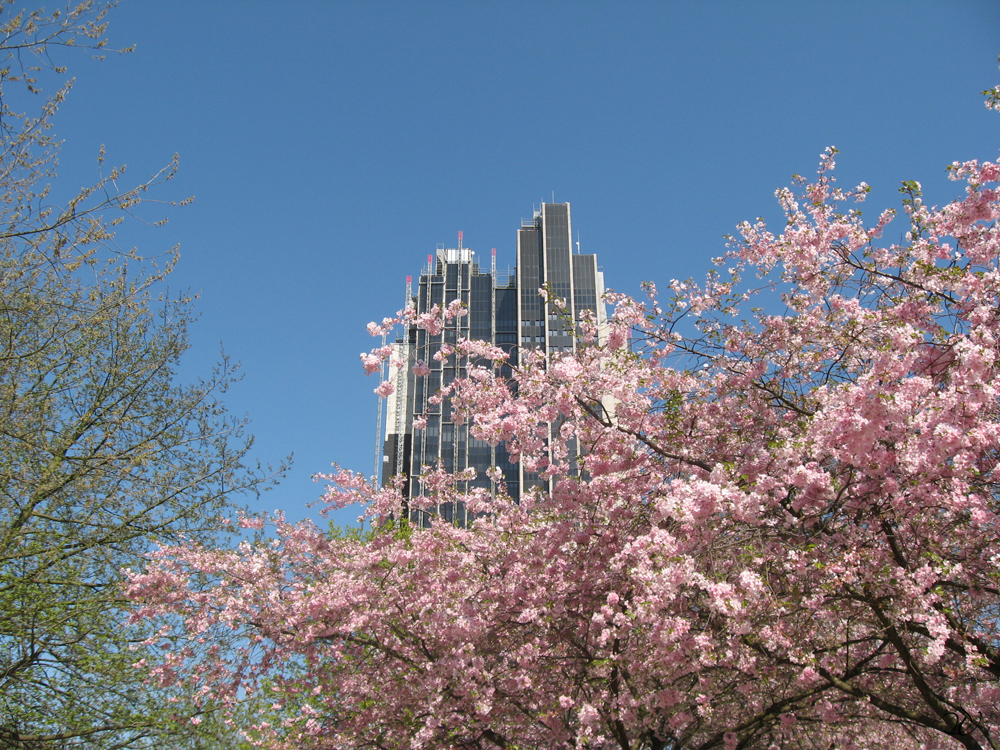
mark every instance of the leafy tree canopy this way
{"type": "Point", "coordinates": [102, 453]}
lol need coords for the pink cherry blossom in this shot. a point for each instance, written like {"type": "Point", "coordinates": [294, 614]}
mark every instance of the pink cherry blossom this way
{"type": "Point", "coordinates": [371, 362]}
{"type": "Point", "coordinates": [779, 532]}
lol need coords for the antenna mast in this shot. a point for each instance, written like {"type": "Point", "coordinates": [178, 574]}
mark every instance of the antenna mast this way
{"type": "Point", "coordinates": [378, 423]}
{"type": "Point", "coordinates": [404, 352]}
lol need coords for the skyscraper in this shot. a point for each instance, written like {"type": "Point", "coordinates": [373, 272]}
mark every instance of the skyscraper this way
{"type": "Point", "coordinates": [505, 309]}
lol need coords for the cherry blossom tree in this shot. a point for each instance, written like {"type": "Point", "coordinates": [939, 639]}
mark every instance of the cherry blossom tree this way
{"type": "Point", "coordinates": [781, 530]}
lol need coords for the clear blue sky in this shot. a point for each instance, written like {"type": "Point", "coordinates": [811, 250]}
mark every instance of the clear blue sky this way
{"type": "Point", "coordinates": [332, 145]}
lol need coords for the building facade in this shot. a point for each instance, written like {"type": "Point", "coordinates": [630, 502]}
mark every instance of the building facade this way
{"type": "Point", "coordinates": [504, 309]}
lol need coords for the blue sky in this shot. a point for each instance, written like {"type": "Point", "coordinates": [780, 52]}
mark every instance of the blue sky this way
{"type": "Point", "coordinates": [332, 145]}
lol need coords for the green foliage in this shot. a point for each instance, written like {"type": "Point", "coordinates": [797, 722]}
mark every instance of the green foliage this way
{"type": "Point", "coordinates": [103, 454]}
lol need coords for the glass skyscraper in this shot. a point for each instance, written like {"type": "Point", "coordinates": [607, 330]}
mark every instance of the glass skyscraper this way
{"type": "Point", "coordinates": [505, 309]}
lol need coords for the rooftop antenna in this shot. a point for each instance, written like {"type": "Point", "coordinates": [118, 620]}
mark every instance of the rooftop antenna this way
{"type": "Point", "coordinates": [578, 242]}
{"type": "Point", "coordinates": [553, 196]}
{"type": "Point", "coordinates": [459, 239]}
{"type": "Point", "coordinates": [400, 396]}
{"type": "Point", "coordinates": [493, 268]}
{"type": "Point", "coordinates": [376, 471]}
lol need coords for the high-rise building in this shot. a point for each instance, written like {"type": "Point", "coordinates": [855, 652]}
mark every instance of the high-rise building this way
{"type": "Point", "coordinates": [505, 309]}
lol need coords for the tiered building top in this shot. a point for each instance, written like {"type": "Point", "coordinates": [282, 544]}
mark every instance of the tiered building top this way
{"type": "Point", "coordinates": [503, 309]}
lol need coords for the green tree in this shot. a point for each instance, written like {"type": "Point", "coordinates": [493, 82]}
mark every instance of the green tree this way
{"type": "Point", "coordinates": [103, 454]}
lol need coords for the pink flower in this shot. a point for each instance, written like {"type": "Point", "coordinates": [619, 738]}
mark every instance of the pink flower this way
{"type": "Point", "coordinates": [371, 363]}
